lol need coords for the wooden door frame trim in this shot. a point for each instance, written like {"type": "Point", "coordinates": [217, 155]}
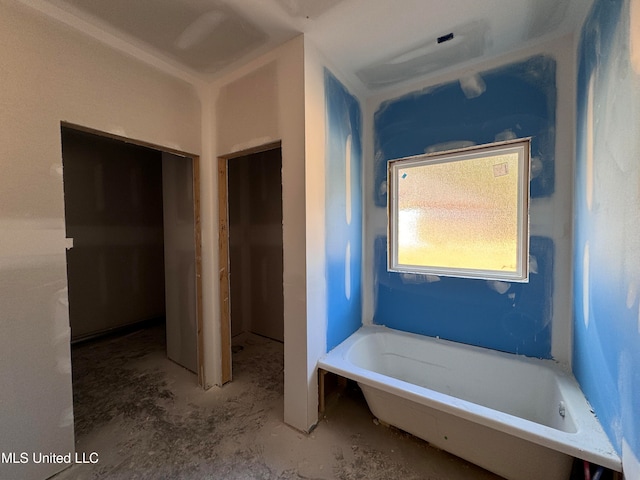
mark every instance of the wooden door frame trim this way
{"type": "Point", "coordinates": [223, 252]}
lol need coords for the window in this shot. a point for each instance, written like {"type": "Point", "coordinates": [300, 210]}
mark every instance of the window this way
{"type": "Point", "coordinates": [462, 213]}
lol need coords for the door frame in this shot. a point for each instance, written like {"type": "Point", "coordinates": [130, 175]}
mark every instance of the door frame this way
{"type": "Point", "coordinates": [223, 252]}
{"type": "Point", "coordinates": [195, 163]}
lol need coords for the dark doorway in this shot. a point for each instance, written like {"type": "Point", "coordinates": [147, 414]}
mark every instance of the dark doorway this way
{"type": "Point", "coordinates": [113, 212]}
{"type": "Point", "coordinates": [131, 211]}
{"type": "Point", "coordinates": [255, 244]}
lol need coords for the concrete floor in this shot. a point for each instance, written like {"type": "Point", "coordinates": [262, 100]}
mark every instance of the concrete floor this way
{"type": "Point", "coordinates": [145, 417]}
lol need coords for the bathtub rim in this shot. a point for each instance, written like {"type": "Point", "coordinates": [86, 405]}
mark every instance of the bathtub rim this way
{"type": "Point", "coordinates": [589, 442]}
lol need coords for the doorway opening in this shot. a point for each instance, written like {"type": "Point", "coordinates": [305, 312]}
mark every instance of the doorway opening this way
{"type": "Point", "coordinates": [251, 285]}
{"type": "Point", "coordinates": [133, 257]}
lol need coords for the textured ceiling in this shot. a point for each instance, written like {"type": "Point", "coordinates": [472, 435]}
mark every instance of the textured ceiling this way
{"type": "Point", "coordinates": [375, 42]}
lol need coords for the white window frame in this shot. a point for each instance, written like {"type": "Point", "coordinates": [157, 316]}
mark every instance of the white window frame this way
{"type": "Point", "coordinates": [522, 146]}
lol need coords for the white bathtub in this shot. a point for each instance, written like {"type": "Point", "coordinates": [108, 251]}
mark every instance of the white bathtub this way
{"type": "Point", "coordinates": [518, 417]}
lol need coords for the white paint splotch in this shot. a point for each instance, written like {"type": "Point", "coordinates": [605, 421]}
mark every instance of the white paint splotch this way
{"type": "Point", "coordinates": [473, 86]}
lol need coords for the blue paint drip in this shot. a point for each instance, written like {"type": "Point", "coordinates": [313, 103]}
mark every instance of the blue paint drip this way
{"type": "Point", "coordinates": [520, 97]}
{"type": "Point", "coordinates": [343, 120]}
{"type": "Point", "coordinates": [468, 310]}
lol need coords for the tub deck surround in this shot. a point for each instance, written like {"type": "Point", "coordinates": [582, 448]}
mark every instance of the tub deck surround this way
{"type": "Point", "coordinates": [516, 416]}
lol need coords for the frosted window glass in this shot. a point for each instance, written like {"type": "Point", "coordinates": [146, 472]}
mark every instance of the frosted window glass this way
{"type": "Point", "coordinates": [462, 214]}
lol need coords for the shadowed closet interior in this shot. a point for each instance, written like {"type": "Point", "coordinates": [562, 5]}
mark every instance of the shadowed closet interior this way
{"type": "Point", "coordinates": [129, 211]}
{"type": "Point", "coordinates": [255, 244]}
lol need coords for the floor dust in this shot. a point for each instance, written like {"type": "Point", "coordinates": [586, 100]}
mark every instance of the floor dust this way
{"type": "Point", "coordinates": [146, 418]}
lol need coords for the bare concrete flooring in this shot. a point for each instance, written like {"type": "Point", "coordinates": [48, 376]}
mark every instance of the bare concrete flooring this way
{"type": "Point", "coordinates": [146, 418]}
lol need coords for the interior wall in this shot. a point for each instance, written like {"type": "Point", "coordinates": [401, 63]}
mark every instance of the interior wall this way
{"type": "Point", "coordinates": [255, 244]}
{"type": "Point", "coordinates": [113, 212]}
{"type": "Point", "coordinates": [343, 210]}
{"type": "Point", "coordinates": [258, 104]}
{"type": "Point", "coordinates": [525, 94]}
{"type": "Point", "coordinates": [315, 171]}
{"type": "Point", "coordinates": [607, 223]}
{"type": "Point", "coordinates": [50, 74]}
{"type": "Point", "coordinates": [332, 112]}
{"type": "Point", "coordinates": [180, 260]}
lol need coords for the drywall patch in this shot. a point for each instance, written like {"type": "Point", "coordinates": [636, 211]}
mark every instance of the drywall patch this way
{"type": "Point", "coordinates": [505, 135]}
{"type": "Point", "coordinates": [382, 189]}
{"type": "Point", "coordinates": [497, 286]}
{"type": "Point", "coordinates": [343, 211]}
{"type": "Point", "coordinates": [535, 167]}
{"type": "Point", "coordinates": [248, 145]}
{"type": "Point", "coordinates": [443, 147]}
{"type": "Point", "coordinates": [117, 131]}
{"type": "Point", "coordinates": [473, 86]}
{"type": "Point", "coordinates": [412, 278]}
{"type": "Point", "coordinates": [199, 29]}
{"type": "Point", "coordinates": [469, 42]}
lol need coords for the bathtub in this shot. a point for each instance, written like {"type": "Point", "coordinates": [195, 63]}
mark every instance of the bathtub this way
{"type": "Point", "coordinates": [519, 417]}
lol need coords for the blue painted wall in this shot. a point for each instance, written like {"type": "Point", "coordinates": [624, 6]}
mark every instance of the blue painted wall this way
{"type": "Point", "coordinates": [343, 211]}
{"type": "Point", "coordinates": [607, 224]}
{"type": "Point", "coordinates": [516, 100]}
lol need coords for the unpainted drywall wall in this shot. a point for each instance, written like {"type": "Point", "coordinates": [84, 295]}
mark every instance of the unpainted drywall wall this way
{"type": "Point", "coordinates": [48, 75]}
{"type": "Point", "coordinates": [607, 223]}
{"type": "Point", "coordinates": [113, 213]}
{"type": "Point", "coordinates": [180, 260]}
{"type": "Point", "coordinates": [315, 171]}
{"type": "Point", "coordinates": [258, 104]}
{"type": "Point", "coordinates": [524, 94]}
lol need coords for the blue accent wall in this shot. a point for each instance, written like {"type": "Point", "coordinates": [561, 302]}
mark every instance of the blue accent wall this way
{"type": "Point", "coordinates": [468, 311]}
{"type": "Point", "coordinates": [343, 211]}
{"type": "Point", "coordinates": [519, 98]}
{"type": "Point", "coordinates": [606, 358]}
{"type": "Point", "coordinates": [516, 100]}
